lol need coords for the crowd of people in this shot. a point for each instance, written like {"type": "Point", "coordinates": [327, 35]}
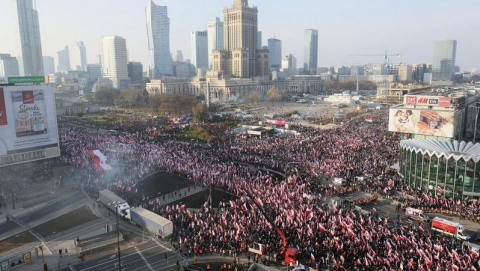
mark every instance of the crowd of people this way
{"type": "Point", "coordinates": [294, 206]}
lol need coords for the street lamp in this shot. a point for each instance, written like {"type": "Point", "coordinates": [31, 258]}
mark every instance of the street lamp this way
{"type": "Point", "coordinates": [41, 249]}
{"type": "Point", "coordinates": [118, 235]}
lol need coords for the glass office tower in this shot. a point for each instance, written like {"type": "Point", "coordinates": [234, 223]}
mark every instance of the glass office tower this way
{"type": "Point", "coordinates": [443, 66]}
{"type": "Point", "coordinates": [311, 51]}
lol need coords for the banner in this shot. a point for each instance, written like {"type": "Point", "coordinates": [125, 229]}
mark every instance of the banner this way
{"type": "Point", "coordinates": [427, 100]}
{"type": "Point", "coordinates": [422, 122]}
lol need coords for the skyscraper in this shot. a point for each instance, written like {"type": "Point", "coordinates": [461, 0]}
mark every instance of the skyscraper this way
{"type": "Point", "coordinates": [114, 60]}
{"type": "Point", "coordinates": [8, 65]}
{"type": "Point", "coordinates": [135, 72]}
{"type": "Point", "coordinates": [275, 54]}
{"type": "Point", "coordinates": [310, 51]}
{"type": "Point", "coordinates": [444, 53]}
{"type": "Point", "coordinates": [215, 38]}
{"type": "Point", "coordinates": [78, 56]}
{"type": "Point", "coordinates": [63, 60]}
{"type": "Point", "coordinates": [259, 40]}
{"type": "Point", "coordinates": [28, 39]}
{"type": "Point", "coordinates": [158, 31]}
{"type": "Point", "coordinates": [48, 65]}
{"type": "Point", "coordinates": [240, 57]}
{"type": "Point", "coordinates": [199, 49]}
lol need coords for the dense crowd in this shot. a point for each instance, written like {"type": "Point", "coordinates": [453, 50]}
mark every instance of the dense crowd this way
{"type": "Point", "coordinates": [294, 206]}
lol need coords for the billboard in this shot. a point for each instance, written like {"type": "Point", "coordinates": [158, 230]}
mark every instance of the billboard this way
{"type": "Point", "coordinates": [28, 124]}
{"type": "Point", "coordinates": [422, 122]}
{"type": "Point", "coordinates": [427, 100]}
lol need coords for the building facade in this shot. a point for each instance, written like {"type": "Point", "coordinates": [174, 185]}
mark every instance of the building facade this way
{"type": "Point", "coordinates": [310, 51]}
{"type": "Point", "coordinates": [78, 56]}
{"type": "Point", "coordinates": [29, 43]}
{"type": "Point", "coordinates": [239, 57]}
{"type": "Point", "coordinates": [442, 168]}
{"type": "Point", "coordinates": [63, 60]}
{"type": "Point", "coordinates": [443, 65]}
{"type": "Point", "coordinates": [275, 54]}
{"type": "Point", "coordinates": [8, 65]}
{"type": "Point", "coordinates": [135, 73]}
{"type": "Point", "coordinates": [199, 49]}
{"type": "Point", "coordinates": [405, 73]}
{"type": "Point", "coordinates": [114, 60]}
{"type": "Point", "coordinates": [215, 38]}
{"type": "Point", "coordinates": [158, 31]}
{"type": "Point", "coordinates": [48, 65]}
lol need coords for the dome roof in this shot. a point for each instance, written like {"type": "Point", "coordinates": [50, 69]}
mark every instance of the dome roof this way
{"type": "Point", "coordinates": [448, 149]}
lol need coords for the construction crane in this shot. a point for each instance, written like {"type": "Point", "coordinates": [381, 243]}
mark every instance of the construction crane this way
{"type": "Point", "coordinates": [386, 56]}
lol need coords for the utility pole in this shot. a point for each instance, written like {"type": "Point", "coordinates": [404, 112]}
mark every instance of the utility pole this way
{"type": "Point", "coordinates": [118, 240]}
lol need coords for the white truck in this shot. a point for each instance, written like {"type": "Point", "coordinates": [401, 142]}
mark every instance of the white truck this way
{"type": "Point", "coordinates": [416, 214]}
{"type": "Point", "coordinates": [449, 228]}
{"type": "Point", "coordinates": [114, 203]}
{"type": "Point", "coordinates": [156, 224]}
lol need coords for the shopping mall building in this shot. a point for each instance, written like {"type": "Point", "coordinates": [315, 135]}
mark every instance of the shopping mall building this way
{"type": "Point", "coordinates": [438, 153]}
{"type": "Point", "coordinates": [447, 167]}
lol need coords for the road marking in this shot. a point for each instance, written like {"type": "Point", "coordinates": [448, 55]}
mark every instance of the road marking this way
{"type": "Point", "coordinates": [143, 258]}
{"type": "Point", "coordinates": [158, 243]}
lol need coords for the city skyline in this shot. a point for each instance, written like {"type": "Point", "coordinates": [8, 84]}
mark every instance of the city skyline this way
{"type": "Point", "coordinates": [345, 27]}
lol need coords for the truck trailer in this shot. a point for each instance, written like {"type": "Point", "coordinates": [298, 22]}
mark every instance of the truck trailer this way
{"type": "Point", "coordinates": [156, 224]}
{"type": "Point", "coordinates": [114, 203]}
{"type": "Point", "coordinates": [449, 228]}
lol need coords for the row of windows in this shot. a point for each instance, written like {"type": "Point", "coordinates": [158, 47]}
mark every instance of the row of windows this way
{"type": "Point", "coordinates": [22, 157]}
{"type": "Point", "coordinates": [429, 173]}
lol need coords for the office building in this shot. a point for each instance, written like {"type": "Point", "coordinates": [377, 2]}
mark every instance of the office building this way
{"type": "Point", "coordinates": [29, 43]}
{"type": "Point", "coordinates": [215, 38]}
{"type": "Point", "coordinates": [48, 65]}
{"type": "Point", "coordinates": [241, 57]}
{"type": "Point", "coordinates": [135, 72]}
{"type": "Point", "coordinates": [114, 61]}
{"type": "Point", "coordinates": [78, 56]}
{"type": "Point", "coordinates": [179, 56]}
{"type": "Point", "coordinates": [199, 49]}
{"type": "Point", "coordinates": [8, 65]}
{"type": "Point", "coordinates": [289, 62]}
{"type": "Point", "coordinates": [310, 51]}
{"type": "Point", "coordinates": [405, 73]}
{"type": "Point", "coordinates": [63, 60]}
{"type": "Point", "coordinates": [357, 70]}
{"type": "Point", "coordinates": [158, 31]}
{"type": "Point", "coordinates": [443, 65]}
{"type": "Point", "coordinates": [259, 40]}
{"type": "Point", "coordinates": [275, 54]}
{"type": "Point", "coordinates": [94, 71]}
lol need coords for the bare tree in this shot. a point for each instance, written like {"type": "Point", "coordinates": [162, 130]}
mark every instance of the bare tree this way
{"type": "Point", "coordinates": [273, 94]}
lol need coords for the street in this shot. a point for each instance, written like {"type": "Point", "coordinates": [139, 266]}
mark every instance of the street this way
{"type": "Point", "coordinates": [148, 256]}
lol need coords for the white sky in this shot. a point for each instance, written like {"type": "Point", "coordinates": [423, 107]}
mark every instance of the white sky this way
{"type": "Point", "coordinates": [345, 26]}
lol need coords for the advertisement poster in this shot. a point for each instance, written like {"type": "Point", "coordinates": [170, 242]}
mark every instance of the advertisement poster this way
{"type": "Point", "coordinates": [28, 120]}
{"type": "Point", "coordinates": [29, 110]}
{"type": "Point", "coordinates": [3, 109]}
{"type": "Point", "coordinates": [422, 122]}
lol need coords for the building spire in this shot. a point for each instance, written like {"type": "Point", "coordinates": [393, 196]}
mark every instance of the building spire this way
{"type": "Point", "coordinates": [240, 3]}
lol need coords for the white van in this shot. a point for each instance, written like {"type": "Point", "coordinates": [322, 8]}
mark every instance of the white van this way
{"type": "Point", "coordinates": [416, 214]}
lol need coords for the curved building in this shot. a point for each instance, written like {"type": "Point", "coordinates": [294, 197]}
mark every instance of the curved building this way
{"type": "Point", "coordinates": [450, 168]}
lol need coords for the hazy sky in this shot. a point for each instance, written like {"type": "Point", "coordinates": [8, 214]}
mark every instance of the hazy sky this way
{"type": "Point", "coordinates": [345, 26]}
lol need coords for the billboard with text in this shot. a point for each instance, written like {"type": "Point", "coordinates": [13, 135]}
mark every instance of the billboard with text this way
{"type": "Point", "coordinates": [422, 122]}
{"type": "Point", "coordinates": [427, 100]}
{"type": "Point", "coordinates": [28, 124]}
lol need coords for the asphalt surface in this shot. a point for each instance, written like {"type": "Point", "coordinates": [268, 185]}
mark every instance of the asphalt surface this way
{"type": "Point", "coordinates": [149, 256]}
{"type": "Point", "coordinates": [42, 212]}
